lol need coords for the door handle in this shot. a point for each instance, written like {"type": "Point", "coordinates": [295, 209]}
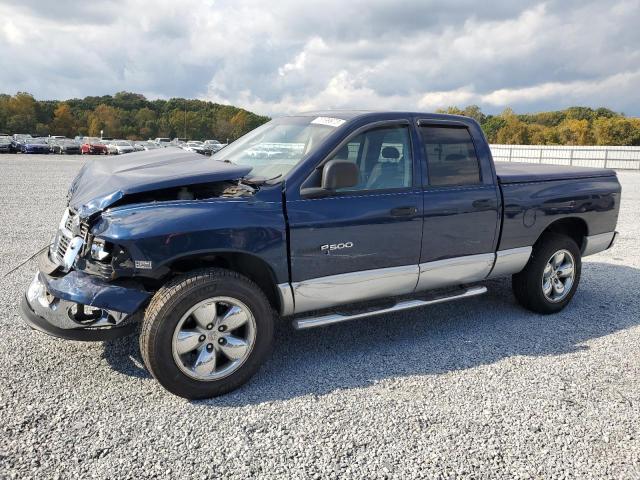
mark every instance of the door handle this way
{"type": "Point", "coordinates": [484, 203]}
{"type": "Point", "coordinates": [403, 211]}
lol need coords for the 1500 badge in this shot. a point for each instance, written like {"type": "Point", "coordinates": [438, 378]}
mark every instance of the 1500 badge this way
{"type": "Point", "coordinates": [332, 247]}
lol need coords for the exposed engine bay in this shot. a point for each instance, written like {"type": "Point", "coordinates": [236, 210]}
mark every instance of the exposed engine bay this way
{"type": "Point", "coordinates": [203, 191]}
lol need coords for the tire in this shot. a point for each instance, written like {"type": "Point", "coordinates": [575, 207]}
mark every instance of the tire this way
{"type": "Point", "coordinates": [168, 314]}
{"type": "Point", "coordinates": [528, 285]}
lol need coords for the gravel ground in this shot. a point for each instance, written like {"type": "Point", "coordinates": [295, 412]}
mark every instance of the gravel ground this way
{"type": "Point", "coordinates": [478, 388]}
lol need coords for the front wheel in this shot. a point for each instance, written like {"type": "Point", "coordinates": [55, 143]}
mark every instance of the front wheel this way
{"type": "Point", "coordinates": [550, 278]}
{"type": "Point", "coordinates": [206, 333]}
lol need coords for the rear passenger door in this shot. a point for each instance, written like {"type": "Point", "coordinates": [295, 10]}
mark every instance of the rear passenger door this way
{"type": "Point", "coordinates": [461, 211]}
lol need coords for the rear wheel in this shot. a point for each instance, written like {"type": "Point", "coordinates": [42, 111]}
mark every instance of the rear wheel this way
{"type": "Point", "coordinates": [550, 279]}
{"type": "Point", "coordinates": [206, 333]}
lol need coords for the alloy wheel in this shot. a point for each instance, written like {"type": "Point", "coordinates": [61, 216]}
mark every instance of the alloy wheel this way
{"type": "Point", "coordinates": [558, 276]}
{"type": "Point", "coordinates": [214, 338]}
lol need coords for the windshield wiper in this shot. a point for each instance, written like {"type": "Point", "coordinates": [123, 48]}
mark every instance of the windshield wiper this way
{"type": "Point", "coordinates": [259, 180]}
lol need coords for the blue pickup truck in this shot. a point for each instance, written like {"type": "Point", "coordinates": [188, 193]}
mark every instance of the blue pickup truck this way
{"type": "Point", "coordinates": [319, 218]}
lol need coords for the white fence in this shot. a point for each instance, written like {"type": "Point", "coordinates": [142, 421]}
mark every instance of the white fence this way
{"type": "Point", "coordinates": [627, 158]}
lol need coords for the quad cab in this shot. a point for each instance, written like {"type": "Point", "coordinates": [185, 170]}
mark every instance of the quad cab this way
{"type": "Point", "coordinates": [317, 218]}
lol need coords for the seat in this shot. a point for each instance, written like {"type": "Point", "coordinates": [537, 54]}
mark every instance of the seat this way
{"type": "Point", "coordinates": [388, 171]}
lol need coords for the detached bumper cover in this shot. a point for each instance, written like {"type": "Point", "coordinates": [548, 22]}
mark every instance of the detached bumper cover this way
{"type": "Point", "coordinates": [50, 305]}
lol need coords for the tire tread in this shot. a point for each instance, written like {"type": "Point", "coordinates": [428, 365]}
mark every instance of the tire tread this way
{"type": "Point", "coordinates": [525, 284]}
{"type": "Point", "coordinates": [170, 294]}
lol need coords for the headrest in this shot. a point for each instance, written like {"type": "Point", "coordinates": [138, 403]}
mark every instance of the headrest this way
{"type": "Point", "coordinates": [390, 152]}
{"type": "Point", "coordinates": [343, 153]}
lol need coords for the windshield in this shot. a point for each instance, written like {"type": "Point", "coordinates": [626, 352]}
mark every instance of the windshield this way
{"type": "Point", "coordinates": [277, 146]}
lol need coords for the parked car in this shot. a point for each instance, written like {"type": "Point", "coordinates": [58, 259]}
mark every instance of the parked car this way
{"type": "Point", "coordinates": [119, 147]}
{"type": "Point", "coordinates": [65, 146]}
{"type": "Point", "coordinates": [148, 145]}
{"type": "Point", "coordinates": [163, 142]}
{"type": "Point", "coordinates": [18, 139]}
{"type": "Point", "coordinates": [21, 136]}
{"type": "Point", "coordinates": [406, 209]}
{"type": "Point", "coordinates": [189, 146]}
{"type": "Point", "coordinates": [93, 146]}
{"type": "Point", "coordinates": [5, 145]}
{"type": "Point", "coordinates": [137, 145]}
{"type": "Point", "coordinates": [204, 149]}
{"type": "Point", "coordinates": [214, 145]}
{"type": "Point", "coordinates": [34, 145]}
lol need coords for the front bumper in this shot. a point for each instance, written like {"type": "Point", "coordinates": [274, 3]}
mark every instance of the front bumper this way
{"type": "Point", "coordinates": [78, 306]}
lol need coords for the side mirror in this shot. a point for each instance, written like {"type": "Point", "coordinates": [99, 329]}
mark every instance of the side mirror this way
{"type": "Point", "coordinates": [340, 174]}
{"type": "Point", "coordinates": [335, 174]}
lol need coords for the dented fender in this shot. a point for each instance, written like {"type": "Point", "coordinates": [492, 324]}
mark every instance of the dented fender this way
{"type": "Point", "coordinates": [161, 232]}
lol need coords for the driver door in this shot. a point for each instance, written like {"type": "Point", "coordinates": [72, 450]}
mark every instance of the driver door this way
{"type": "Point", "coordinates": [362, 242]}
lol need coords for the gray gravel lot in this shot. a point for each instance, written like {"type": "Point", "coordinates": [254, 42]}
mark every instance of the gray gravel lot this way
{"type": "Point", "coordinates": [479, 388]}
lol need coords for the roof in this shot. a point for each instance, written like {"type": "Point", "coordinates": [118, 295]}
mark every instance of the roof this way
{"type": "Point", "coordinates": [352, 114]}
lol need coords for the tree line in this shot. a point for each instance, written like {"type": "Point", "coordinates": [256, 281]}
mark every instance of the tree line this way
{"type": "Point", "coordinates": [125, 115]}
{"type": "Point", "coordinates": [573, 126]}
{"type": "Point", "coordinates": [132, 116]}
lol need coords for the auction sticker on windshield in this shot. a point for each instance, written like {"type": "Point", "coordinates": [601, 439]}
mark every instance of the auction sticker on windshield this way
{"type": "Point", "coordinates": [329, 121]}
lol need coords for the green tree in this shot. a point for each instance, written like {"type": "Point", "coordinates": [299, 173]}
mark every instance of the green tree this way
{"type": "Point", "coordinates": [63, 122]}
{"type": "Point", "coordinates": [575, 132]}
{"type": "Point", "coordinates": [107, 119]}
{"type": "Point", "coordinates": [146, 123]}
{"type": "Point", "coordinates": [492, 126]}
{"type": "Point", "coordinates": [474, 112]}
{"type": "Point", "coordinates": [617, 131]}
{"type": "Point", "coordinates": [451, 110]}
{"type": "Point", "coordinates": [21, 113]}
{"type": "Point", "coordinates": [514, 131]}
{"type": "Point", "coordinates": [542, 135]}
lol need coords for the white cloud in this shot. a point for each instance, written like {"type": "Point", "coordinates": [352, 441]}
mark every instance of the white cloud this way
{"type": "Point", "coordinates": [12, 33]}
{"type": "Point", "coordinates": [289, 56]}
{"type": "Point", "coordinates": [435, 100]}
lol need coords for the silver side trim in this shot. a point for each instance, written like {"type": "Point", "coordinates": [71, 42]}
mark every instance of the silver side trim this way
{"type": "Point", "coordinates": [303, 323]}
{"type": "Point", "coordinates": [454, 271]}
{"type": "Point", "coordinates": [325, 292]}
{"type": "Point", "coordinates": [286, 299]}
{"type": "Point", "coordinates": [510, 261]}
{"type": "Point", "coordinates": [597, 243]}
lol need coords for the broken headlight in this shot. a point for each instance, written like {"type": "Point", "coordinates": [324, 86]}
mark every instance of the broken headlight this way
{"type": "Point", "coordinates": [100, 250]}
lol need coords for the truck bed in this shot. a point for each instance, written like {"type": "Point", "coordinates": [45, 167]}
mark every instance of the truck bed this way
{"type": "Point", "coordinates": [513, 172]}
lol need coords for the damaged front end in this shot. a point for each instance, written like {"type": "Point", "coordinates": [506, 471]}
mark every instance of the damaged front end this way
{"type": "Point", "coordinates": [93, 281]}
{"type": "Point", "coordinates": [75, 304]}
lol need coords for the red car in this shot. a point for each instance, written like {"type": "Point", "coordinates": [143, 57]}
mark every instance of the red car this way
{"type": "Point", "coordinates": [93, 146]}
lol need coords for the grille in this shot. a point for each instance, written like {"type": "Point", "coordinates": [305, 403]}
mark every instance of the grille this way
{"type": "Point", "coordinates": [66, 234]}
{"type": "Point", "coordinates": [84, 228]}
{"type": "Point", "coordinates": [63, 245]}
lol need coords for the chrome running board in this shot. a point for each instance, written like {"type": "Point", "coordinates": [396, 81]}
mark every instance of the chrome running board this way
{"type": "Point", "coordinates": [312, 322]}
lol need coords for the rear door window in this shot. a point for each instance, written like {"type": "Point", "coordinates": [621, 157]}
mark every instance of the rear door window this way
{"type": "Point", "coordinates": [451, 156]}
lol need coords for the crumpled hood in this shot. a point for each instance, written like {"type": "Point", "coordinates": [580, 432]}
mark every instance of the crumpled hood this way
{"type": "Point", "coordinates": [103, 181]}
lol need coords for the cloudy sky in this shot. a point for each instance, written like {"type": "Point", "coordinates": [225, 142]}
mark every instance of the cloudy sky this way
{"type": "Point", "coordinates": [290, 55]}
